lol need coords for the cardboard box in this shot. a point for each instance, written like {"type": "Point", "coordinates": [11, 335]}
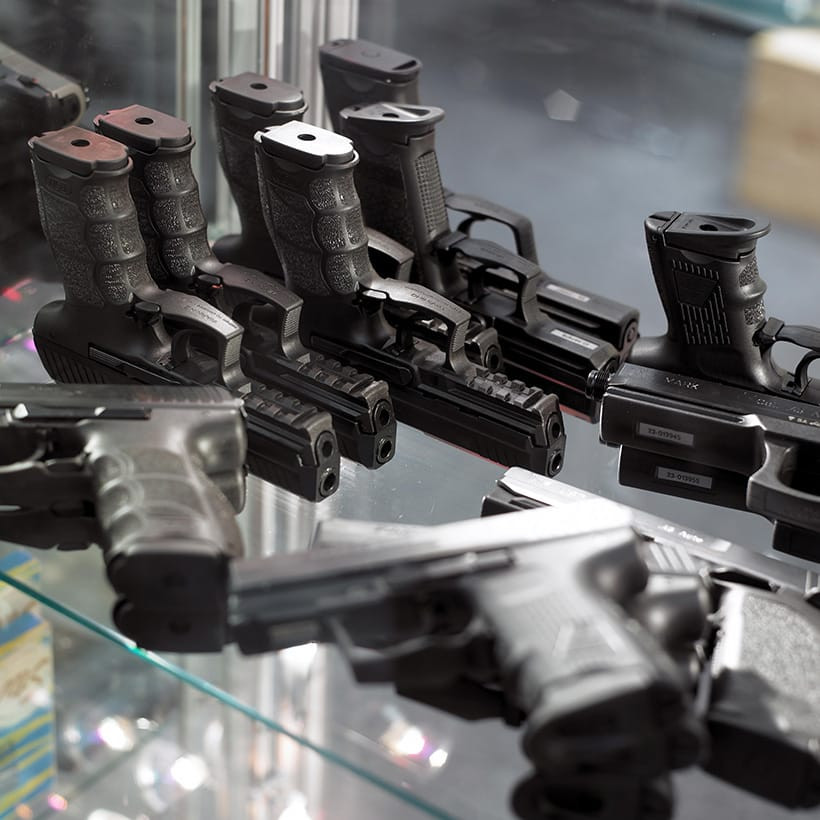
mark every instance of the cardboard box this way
{"type": "Point", "coordinates": [27, 740]}
{"type": "Point", "coordinates": [779, 163]}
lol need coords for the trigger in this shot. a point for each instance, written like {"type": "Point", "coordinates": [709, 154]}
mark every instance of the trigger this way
{"type": "Point", "coordinates": [367, 664]}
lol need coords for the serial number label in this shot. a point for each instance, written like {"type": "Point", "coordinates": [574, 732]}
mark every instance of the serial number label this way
{"type": "Point", "coordinates": [579, 297]}
{"type": "Point", "coordinates": [680, 477]}
{"type": "Point", "coordinates": [665, 434]}
{"type": "Point", "coordinates": [576, 340]}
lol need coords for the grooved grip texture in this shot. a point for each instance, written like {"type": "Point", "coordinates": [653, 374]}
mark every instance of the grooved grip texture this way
{"type": "Point", "coordinates": [763, 716]}
{"type": "Point", "coordinates": [91, 225]}
{"type": "Point", "coordinates": [242, 105]}
{"type": "Point", "coordinates": [578, 671]}
{"type": "Point", "coordinates": [711, 301]}
{"type": "Point", "coordinates": [427, 181]}
{"type": "Point", "coordinates": [236, 156]}
{"type": "Point", "coordinates": [173, 225]}
{"type": "Point", "coordinates": [315, 218]}
{"type": "Point", "coordinates": [706, 274]}
{"type": "Point", "coordinates": [381, 185]}
{"type": "Point", "coordinates": [149, 498]}
{"type": "Point", "coordinates": [399, 179]}
{"type": "Point", "coordinates": [169, 534]}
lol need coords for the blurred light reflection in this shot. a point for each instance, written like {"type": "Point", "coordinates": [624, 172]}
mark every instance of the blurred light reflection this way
{"type": "Point", "coordinates": [405, 741]}
{"type": "Point", "coordinates": [298, 657]}
{"type": "Point", "coordinates": [296, 810]}
{"type": "Point", "coordinates": [116, 733]}
{"type": "Point", "coordinates": [438, 758]}
{"type": "Point", "coordinates": [411, 742]}
{"type": "Point", "coordinates": [189, 771]}
{"type": "Point", "coordinates": [57, 802]}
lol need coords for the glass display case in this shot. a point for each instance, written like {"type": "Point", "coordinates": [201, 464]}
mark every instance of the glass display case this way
{"type": "Point", "coordinates": [585, 116]}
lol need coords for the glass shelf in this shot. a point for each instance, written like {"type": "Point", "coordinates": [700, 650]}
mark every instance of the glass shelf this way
{"type": "Point", "coordinates": [140, 735]}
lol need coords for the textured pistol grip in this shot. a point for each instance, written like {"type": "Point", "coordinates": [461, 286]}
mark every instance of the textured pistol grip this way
{"type": "Point", "coordinates": [710, 299]}
{"type": "Point", "coordinates": [595, 699]}
{"type": "Point", "coordinates": [313, 213]}
{"type": "Point", "coordinates": [236, 156]}
{"type": "Point", "coordinates": [88, 216]}
{"type": "Point", "coordinates": [164, 188]}
{"type": "Point", "coordinates": [238, 115]}
{"type": "Point", "coordinates": [398, 174]}
{"type": "Point", "coordinates": [167, 192]}
{"type": "Point", "coordinates": [169, 533]}
{"type": "Point", "coordinates": [762, 717]}
{"type": "Point", "coordinates": [705, 269]}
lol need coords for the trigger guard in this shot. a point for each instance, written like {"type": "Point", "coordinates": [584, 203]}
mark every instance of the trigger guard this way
{"type": "Point", "coordinates": [768, 495]}
{"type": "Point", "coordinates": [801, 379]}
{"type": "Point", "coordinates": [32, 449]}
{"type": "Point", "coordinates": [181, 343]}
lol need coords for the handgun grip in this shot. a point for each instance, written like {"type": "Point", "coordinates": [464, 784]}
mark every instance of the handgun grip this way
{"type": "Point", "coordinates": [762, 717]}
{"type": "Point", "coordinates": [356, 72]}
{"type": "Point", "coordinates": [399, 179]}
{"type": "Point", "coordinates": [312, 209]}
{"type": "Point", "coordinates": [769, 492]}
{"type": "Point", "coordinates": [707, 278]}
{"type": "Point", "coordinates": [88, 216]}
{"type": "Point", "coordinates": [242, 105]}
{"type": "Point", "coordinates": [164, 188]}
{"type": "Point", "coordinates": [169, 534]}
{"type": "Point", "coordinates": [578, 668]}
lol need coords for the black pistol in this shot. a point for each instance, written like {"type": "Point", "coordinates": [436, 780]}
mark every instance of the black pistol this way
{"type": "Point", "coordinates": [175, 232]}
{"type": "Point", "coordinates": [758, 658]}
{"type": "Point", "coordinates": [153, 475]}
{"type": "Point", "coordinates": [314, 216]}
{"type": "Point", "coordinates": [116, 325]}
{"type": "Point", "coordinates": [247, 103]}
{"type": "Point", "coordinates": [356, 72]}
{"type": "Point", "coordinates": [402, 196]}
{"type": "Point", "coordinates": [523, 618]}
{"type": "Point", "coordinates": [242, 105]}
{"type": "Point", "coordinates": [704, 412]}
{"type": "Point", "coordinates": [33, 99]}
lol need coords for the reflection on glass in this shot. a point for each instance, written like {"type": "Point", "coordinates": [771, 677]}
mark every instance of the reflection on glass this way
{"type": "Point", "coordinates": [105, 814]}
{"type": "Point", "coordinates": [165, 773]}
{"type": "Point", "coordinates": [57, 802]}
{"type": "Point", "coordinates": [407, 743]}
{"type": "Point", "coordinates": [117, 733]}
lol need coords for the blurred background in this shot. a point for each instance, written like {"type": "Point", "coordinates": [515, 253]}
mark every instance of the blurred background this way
{"type": "Point", "coordinates": [585, 115]}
